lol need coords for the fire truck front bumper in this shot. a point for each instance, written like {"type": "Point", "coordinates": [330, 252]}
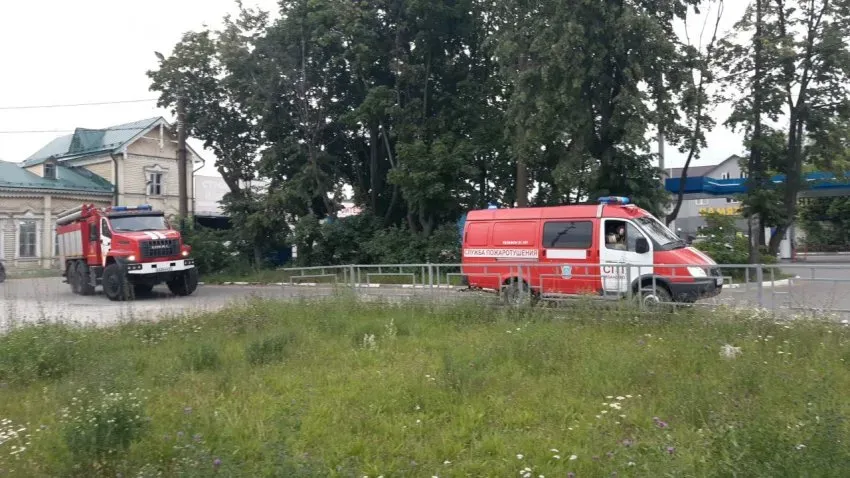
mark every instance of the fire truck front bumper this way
{"type": "Point", "coordinates": [163, 267]}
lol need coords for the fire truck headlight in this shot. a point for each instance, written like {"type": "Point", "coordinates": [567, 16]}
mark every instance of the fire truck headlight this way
{"type": "Point", "coordinates": [131, 258]}
{"type": "Point", "coordinates": [185, 253]}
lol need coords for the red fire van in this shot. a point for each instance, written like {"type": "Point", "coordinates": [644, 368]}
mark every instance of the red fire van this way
{"type": "Point", "coordinates": [613, 248]}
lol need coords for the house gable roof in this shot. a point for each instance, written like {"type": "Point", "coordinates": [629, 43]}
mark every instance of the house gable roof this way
{"type": "Point", "coordinates": [695, 171]}
{"type": "Point", "coordinates": [86, 142]}
{"type": "Point", "coordinates": [69, 179]}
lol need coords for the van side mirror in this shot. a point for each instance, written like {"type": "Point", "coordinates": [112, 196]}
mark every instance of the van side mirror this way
{"type": "Point", "coordinates": [641, 245]}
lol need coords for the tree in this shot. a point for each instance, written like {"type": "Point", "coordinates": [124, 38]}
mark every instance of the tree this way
{"type": "Point", "coordinates": [210, 69]}
{"type": "Point", "coordinates": [582, 74]}
{"type": "Point", "coordinates": [695, 100]}
{"type": "Point", "coordinates": [800, 66]}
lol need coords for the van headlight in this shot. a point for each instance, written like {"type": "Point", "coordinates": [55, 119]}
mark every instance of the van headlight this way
{"type": "Point", "coordinates": [697, 272]}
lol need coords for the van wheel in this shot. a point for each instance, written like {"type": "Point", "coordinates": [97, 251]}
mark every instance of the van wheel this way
{"type": "Point", "coordinates": [516, 293]}
{"type": "Point", "coordinates": [655, 298]}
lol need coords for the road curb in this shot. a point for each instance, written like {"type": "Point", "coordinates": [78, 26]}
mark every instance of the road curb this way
{"type": "Point", "coordinates": [338, 284]}
{"type": "Point", "coordinates": [766, 285]}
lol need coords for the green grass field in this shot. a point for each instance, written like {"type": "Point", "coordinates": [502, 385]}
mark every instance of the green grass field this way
{"type": "Point", "coordinates": [346, 389]}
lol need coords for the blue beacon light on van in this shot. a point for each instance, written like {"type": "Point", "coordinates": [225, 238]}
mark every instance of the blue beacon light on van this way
{"type": "Point", "coordinates": [614, 200]}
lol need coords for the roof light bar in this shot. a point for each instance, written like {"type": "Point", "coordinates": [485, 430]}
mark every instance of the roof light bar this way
{"type": "Point", "coordinates": [614, 200]}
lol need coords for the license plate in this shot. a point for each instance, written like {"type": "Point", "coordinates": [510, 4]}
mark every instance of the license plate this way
{"type": "Point", "coordinates": [719, 281]}
{"type": "Point", "coordinates": [164, 269]}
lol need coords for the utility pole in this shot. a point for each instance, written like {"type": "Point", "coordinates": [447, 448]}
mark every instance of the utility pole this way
{"type": "Point", "coordinates": [181, 161]}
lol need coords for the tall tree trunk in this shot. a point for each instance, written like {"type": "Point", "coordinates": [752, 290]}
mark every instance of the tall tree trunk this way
{"type": "Point", "coordinates": [521, 183]}
{"type": "Point", "coordinates": [755, 162]}
{"type": "Point", "coordinates": [374, 179]}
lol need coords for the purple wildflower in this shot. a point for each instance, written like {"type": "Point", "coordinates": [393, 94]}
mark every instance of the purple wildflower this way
{"type": "Point", "coordinates": [661, 424]}
{"type": "Point", "coordinates": [671, 450]}
{"type": "Point", "coordinates": [217, 463]}
{"type": "Point", "coordinates": [571, 475]}
{"type": "Point", "coordinates": [180, 434]}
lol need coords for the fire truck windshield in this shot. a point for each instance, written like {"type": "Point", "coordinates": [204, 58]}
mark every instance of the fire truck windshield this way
{"type": "Point", "coordinates": [138, 223]}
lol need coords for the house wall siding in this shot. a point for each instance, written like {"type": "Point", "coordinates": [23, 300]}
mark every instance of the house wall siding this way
{"type": "Point", "coordinates": [104, 170]}
{"type": "Point", "coordinates": [145, 155]}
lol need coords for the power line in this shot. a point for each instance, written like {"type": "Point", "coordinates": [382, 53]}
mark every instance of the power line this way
{"type": "Point", "coordinates": [71, 105]}
{"type": "Point", "coordinates": [42, 131]}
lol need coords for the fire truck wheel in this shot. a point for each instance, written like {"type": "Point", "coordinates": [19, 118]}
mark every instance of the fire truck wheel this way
{"type": "Point", "coordinates": [115, 284]}
{"type": "Point", "coordinates": [83, 281]}
{"type": "Point", "coordinates": [185, 284]}
{"type": "Point", "coordinates": [73, 279]}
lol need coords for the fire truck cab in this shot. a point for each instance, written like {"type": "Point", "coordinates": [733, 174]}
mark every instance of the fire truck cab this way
{"type": "Point", "coordinates": [126, 250]}
{"type": "Point", "coordinates": [609, 249]}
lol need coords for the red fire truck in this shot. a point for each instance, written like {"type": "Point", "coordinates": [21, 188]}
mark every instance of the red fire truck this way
{"type": "Point", "coordinates": [610, 249]}
{"type": "Point", "coordinates": [127, 250]}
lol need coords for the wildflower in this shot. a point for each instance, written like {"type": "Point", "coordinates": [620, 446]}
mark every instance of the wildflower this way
{"type": "Point", "coordinates": [616, 406]}
{"type": "Point", "coordinates": [447, 462]}
{"type": "Point", "coordinates": [730, 352]}
{"type": "Point", "coordinates": [595, 458]}
{"type": "Point", "coordinates": [628, 443]}
{"type": "Point", "coordinates": [671, 450]}
{"type": "Point", "coordinates": [661, 424]}
{"type": "Point", "coordinates": [800, 446]}
{"type": "Point", "coordinates": [621, 398]}
{"type": "Point", "coordinates": [554, 450]}
{"type": "Point", "coordinates": [573, 457]}
{"type": "Point", "coordinates": [571, 475]}
{"type": "Point", "coordinates": [187, 410]}
{"type": "Point", "coordinates": [217, 463]}
{"type": "Point", "coordinates": [519, 456]}
{"type": "Point", "coordinates": [557, 457]}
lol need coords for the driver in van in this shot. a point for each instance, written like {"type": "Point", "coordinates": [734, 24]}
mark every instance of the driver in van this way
{"type": "Point", "coordinates": [616, 238]}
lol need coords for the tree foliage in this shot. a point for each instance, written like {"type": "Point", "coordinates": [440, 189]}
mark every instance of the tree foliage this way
{"type": "Point", "coordinates": [789, 64]}
{"type": "Point", "coordinates": [427, 109]}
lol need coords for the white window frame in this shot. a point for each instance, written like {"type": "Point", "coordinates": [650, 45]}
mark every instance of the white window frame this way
{"type": "Point", "coordinates": [725, 175]}
{"type": "Point", "coordinates": [55, 170]}
{"type": "Point", "coordinates": [149, 174]}
{"type": "Point", "coordinates": [743, 175]}
{"type": "Point", "coordinates": [18, 224]}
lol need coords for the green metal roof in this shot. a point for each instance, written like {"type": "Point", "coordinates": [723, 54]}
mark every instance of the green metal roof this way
{"type": "Point", "coordinates": [70, 179]}
{"type": "Point", "coordinates": [89, 142]}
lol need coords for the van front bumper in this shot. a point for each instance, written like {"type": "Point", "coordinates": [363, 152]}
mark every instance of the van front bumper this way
{"type": "Point", "coordinates": [702, 288]}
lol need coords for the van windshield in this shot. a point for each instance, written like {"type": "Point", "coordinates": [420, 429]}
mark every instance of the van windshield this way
{"type": "Point", "coordinates": [660, 233]}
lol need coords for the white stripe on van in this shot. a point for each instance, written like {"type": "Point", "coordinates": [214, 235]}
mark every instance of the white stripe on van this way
{"type": "Point", "coordinates": [566, 254]}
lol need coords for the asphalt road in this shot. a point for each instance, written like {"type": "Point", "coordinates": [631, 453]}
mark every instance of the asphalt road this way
{"type": "Point", "coordinates": [820, 287]}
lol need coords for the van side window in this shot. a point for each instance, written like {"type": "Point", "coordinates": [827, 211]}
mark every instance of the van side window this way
{"type": "Point", "coordinates": [621, 235]}
{"type": "Point", "coordinates": [568, 235]}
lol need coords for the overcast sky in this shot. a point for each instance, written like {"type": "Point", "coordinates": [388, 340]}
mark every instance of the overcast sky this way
{"type": "Point", "coordinates": [83, 51]}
